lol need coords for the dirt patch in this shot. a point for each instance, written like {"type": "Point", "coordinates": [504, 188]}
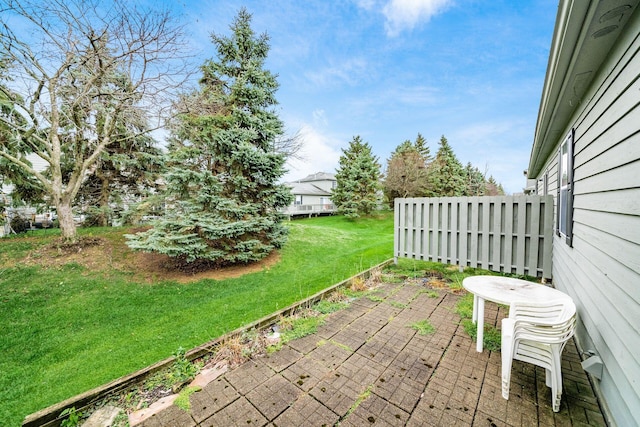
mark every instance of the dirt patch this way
{"type": "Point", "coordinates": [152, 267]}
{"type": "Point", "coordinates": [99, 254]}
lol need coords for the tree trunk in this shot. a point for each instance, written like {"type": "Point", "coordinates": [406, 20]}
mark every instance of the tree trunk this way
{"type": "Point", "coordinates": [65, 218]}
{"type": "Point", "coordinates": [103, 202]}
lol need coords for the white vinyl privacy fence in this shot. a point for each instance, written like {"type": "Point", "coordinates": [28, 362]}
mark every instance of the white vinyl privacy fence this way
{"type": "Point", "coordinates": [510, 234]}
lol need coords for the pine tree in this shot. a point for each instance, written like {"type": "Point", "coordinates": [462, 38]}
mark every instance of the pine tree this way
{"type": "Point", "coordinates": [127, 171]}
{"type": "Point", "coordinates": [421, 145]}
{"type": "Point", "coordinates": [475, 184]}
{"type": "Point", "coordinates": [357, 190]}
{"type": "Point", "coordinates": [223, 196]}
{"type": "Point", "coordinates": [446, 174]}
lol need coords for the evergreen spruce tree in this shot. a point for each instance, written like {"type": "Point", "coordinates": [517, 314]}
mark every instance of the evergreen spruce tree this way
{"type": "Point", "coordinates": [475, 181]}
{"type": "Point", "coordinates": [126, 171]}
{"type": "Point", "coordinates": [358, 187]}
{"type": "Point", "coordinates": [421, 145]}
{"type": "Point", "coordinates": [446, 173]}
{"type": "Point", "coordinates": [223, 196]}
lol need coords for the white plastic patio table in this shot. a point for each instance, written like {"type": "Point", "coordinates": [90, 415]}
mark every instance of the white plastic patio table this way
{"type": "Point", "coordinates": [504, 290]}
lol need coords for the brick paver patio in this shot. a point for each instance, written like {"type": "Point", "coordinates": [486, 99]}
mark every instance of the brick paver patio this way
{"type": "Point", "coordinates": [367, 366]}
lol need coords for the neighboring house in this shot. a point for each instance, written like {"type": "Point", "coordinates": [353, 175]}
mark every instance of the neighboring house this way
{"type": "Point", "coordinates": [312, 195]}
{"type": "Point", "coordinates": [38, 164]}
{"type": "Point", "coordinates": [586, 153]}
{"type": "Point", "coordinates": [28, 213]}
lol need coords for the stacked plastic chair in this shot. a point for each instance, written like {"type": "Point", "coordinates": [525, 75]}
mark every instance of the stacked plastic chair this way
{"type": "Point", "coordinates": [536, 333]}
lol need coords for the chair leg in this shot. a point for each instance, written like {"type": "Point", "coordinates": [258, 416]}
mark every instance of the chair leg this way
{"type": "Point", "coordinates": [506, 382]}
{"type": "Point", "coordinates": [507, 361]}
{"type": "Point", "coordinates": [555, 376]}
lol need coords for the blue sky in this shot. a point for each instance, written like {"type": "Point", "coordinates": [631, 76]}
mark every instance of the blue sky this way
{"type": "Point", "coordinates": [388, 69]}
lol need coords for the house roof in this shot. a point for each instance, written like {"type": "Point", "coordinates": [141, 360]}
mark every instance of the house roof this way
{"type": "Point", "coordinates": [307, 189]}
{"type": "Point", "coordinates": [584, 33]}
{"type": "Point", "coordinates": [318, 176]}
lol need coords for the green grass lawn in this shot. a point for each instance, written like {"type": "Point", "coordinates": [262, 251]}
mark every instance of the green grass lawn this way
{"type": "Point", "coordinates": [66, 330]}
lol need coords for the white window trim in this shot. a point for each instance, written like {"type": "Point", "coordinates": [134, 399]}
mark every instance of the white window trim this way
{"type": "Point", "coordinates": [564, 220]}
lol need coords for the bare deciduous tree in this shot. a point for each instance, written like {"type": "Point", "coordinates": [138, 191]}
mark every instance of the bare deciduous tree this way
{"type": "Point", "coordinates": [75, 72]}
{"type": "Point", "coordinates": [290, 145]}
{"type": "Point", "coordinates": [406, 176]}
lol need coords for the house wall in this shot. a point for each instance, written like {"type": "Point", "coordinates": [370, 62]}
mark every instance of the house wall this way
{"type": "Point", "coordinates": [602, 269]}
{"type": "Point", "coordinates": [326, 185]}
{"type": "Point", "coordinates": [313, 199]}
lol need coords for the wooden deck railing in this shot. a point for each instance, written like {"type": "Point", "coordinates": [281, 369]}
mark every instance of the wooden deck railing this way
{"type": "Point", "coordinates": [310, 210]}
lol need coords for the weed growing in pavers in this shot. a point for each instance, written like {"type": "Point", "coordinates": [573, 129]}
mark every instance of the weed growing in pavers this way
{"type": "Point", "coordinates": [342, 346]}
{"type": "Point", "coordinates": [392, 278]}
{"type": "Point", "coordinates": [456, 285]}
{"type": "Point", "coordinates": [326, 306]}
{"type": "Point", "coordinates": [491, 338]}
{"type": "Point", "coordinates": [238, 348]}
{"type": "Point", "coordinates": [424, 327]}
{"type": "Point", "coordinates": [464, 307]}
{"type": "Point", "coordinates": [182, 401]}
{"type": "Point", "coordinates": [437, 275]}
{"type": "Point", "coordinates": [429, 293]}
{"type": "Point", "coordinates": [405, 268]}
{"type": "Point", "coordinates": [358, 284]}
{"type": "Point", "coordinates": [375, 277]}
{"type": "Point", "coordinates": [397, 304]}
{"type": "Point", "coordinates": [302, 327]}
{"type": "Point", "coordinates": [297, 327]}
{"type": "Point", "coordinates": [351, 294]}
{"type": "Point", "coordinates": [361, 398]}
{"type": "Point", "coordinates": [375, 298]}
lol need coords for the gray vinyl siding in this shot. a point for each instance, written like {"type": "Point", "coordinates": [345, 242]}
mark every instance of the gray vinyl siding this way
{"type": "Point", "coordinates": [312, 199]}
{"type": "Point", "coordinates": [602, 269]}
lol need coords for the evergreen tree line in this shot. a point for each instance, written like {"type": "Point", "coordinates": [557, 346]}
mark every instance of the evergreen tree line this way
{"type": "Point", "coordinates": [411, 172]}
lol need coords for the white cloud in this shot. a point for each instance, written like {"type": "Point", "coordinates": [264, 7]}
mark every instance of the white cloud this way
{"type": "Point", "coordinates": [351, 71]}
{"type": "Point", "coordinates": [406, 14]}
{"type": "Point", "coordinates": [320, 118]}
{"type": "Point", "coordinates": [366, 4]}
{"type": "Point", "coordinates": [320, 153]}
{"type": "Point", "coordinates": [491, 147]}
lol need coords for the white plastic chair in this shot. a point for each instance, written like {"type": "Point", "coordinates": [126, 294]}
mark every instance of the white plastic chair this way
{"type": "Point", "coordinates": [537, 333]}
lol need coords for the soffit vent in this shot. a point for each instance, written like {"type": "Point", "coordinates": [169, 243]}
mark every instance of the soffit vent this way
{"type": "Point", "coordinates": [612, 18]}
{"type": "Point", "coordinates": [615, 13]}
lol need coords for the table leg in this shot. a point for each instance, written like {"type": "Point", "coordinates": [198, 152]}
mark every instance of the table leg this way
{"type": "Point", "coordinates": [474, 316]}
{"type": "Point", "coordinates": [480, 333]}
